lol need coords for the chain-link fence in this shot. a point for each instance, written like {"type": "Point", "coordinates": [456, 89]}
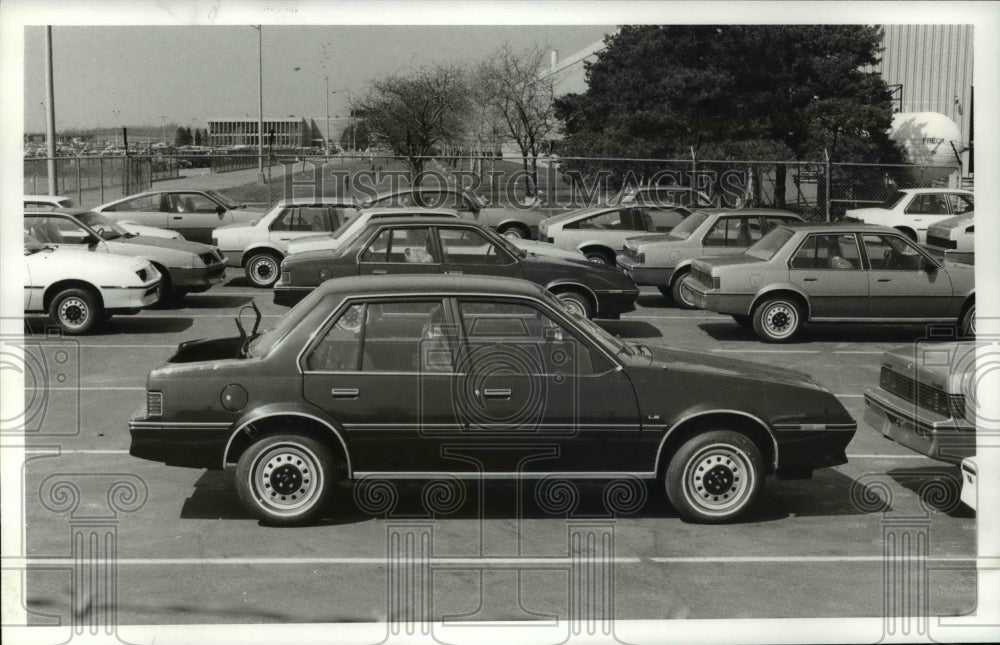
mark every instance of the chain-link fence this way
{"type": "Point", "coordinates": [817, 190]}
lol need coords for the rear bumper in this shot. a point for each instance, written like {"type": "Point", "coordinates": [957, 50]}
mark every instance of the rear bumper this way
{"type": "Point", "coordinates": [713, 300]}
{"type": "Point", "coordinates": [289, 296]}
{"type": "Point", "coordinates": [919, 429]}
{"type": "Point", "coordinates": [190, 446]}
{"type": "Point", "coordinates": [641, 274]}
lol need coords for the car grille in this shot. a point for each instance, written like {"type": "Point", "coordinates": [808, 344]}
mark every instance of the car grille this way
{"type": "Point", "coordinates": [154, 404]}
{"type": "Point", "coordinates": [142, 273]}
{"type": "Point", "coordinates": [941, 243]}
{"type": "Point", "coordinates": [216, 271]}
{"type": "Point", "coordinates": [210, 258]}
{"type": "Point", "coordinates": [923, 395]}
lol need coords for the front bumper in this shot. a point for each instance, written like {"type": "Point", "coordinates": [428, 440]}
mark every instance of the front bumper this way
{"type": "Point", "coordinates": [921, 430]}
{"type": "Point", "coordinates": [204, 276]}
{"type": "Point", "coordinates": [130, 299]}
{"type": "Point", "coordinates": [175, 444]}
{"type": "Point", "coordinates": [642, 274]}
{"type": "Point", "coordinates": [805, 447]}
{"type": "Point", "coordinates": [611, 304]}
{"type": "Point", "coordinates": [289, 296]}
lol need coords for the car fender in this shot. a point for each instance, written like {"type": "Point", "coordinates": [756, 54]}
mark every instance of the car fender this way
{"type": "Point", "coordinates": [564, 282]}
{"type": "Point", "coordinates": [692, 414]}
{"type": "Point", "coordinates": [512, 220]}
{"type": "Point", "coordinates": [303, 410]}
{"type": "Point", "coordinates": [781, 286]}
{"type": "Point", "coordinates": [592, 242]}
{"type": "Point", "coordinates": [682, 266]}
{"type": "Point", "coordinates": [261, 246]}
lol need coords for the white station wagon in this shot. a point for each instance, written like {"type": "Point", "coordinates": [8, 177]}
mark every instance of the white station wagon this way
{"type": "Point", "coordinates": [79, 289]}
{"type": "Point", "coordinates": [260, 246]}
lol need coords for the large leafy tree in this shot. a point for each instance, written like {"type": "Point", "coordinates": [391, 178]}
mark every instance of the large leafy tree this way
{"type": "Point", "coordinates": [770, 92]}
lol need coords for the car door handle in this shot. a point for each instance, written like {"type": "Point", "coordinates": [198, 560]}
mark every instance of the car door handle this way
{"type": "Point", "coordinates": [380, 271]}
{"type": "Point", "coordinates": [284, 239]}
{"type": "Point", "coordinates": [884, 279]}
{"type": "Point", "coordinates": [496, 393]}
{"type": "Point", "coordinates": [344, 392]}
{"type": "Point", "coordinates": [810, 279]}
{"type": "Point", "coordinates": [177, 217]}
{"type": "Point", "coordinates": [453, 273]}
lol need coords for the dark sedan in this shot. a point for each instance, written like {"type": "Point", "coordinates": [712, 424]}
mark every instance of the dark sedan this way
{"type": "Point", "coordinates": [429, 246]}
{"type": "Point", "coordinates": [470, 377]}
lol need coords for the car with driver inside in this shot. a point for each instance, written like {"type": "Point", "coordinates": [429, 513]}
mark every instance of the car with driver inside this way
{"type": "Point", "coordinates": [833, 273]}
{"type": "Point", "coordinates": [440, 245]}
{"type": "Point", "coordinates": [473, 377]}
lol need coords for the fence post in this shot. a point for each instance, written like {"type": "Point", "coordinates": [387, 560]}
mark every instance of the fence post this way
{"type": "Point", "coordinates": [829, 180]}
{"type": "Point", "coordinates": [101, 166]}
{"type": "Point", "coordinates": [79, 181]}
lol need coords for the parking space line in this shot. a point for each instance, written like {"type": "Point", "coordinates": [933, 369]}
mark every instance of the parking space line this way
{"type": "Point", "coordinates": [887, 457]}
{"type": "Point", "coordinates": [220, 315]}
{"type": "Point", "coordinates": [94, 388]}
{"type": "Point", "coordinates": [848, 396]}
{"type": "Point", "coordinates": [767, 351]}
{"type": "Point", "coordinates": [23, 562]}
{"type": "Point", "coordinates": [627, 317]}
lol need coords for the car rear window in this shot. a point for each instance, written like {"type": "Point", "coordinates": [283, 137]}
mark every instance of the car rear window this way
{"type": "Point", "coordinates": [684, 230]}
{"type": "Point", "coordinates": [769, 244]}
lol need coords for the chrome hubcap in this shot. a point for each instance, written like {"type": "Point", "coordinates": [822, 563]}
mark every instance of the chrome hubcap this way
{"type": "Point", "coordinates": [718, 479]}
{"type": "Point", "coordinates": [780, 320]}
{"type": "Point", "coordinates": [574, 306]}
{"type": "Point", "coordinates": [74, 312]}
{"type": "Point", "coordinates": [264, 270]}
{"type": "Point", "coordinates": [286, 479]}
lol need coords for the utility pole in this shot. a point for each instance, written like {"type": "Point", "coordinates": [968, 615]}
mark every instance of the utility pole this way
{"type": "Point", "coordinates": [50, 113]}
{"type": "Point", "coordinates": [260, 98]}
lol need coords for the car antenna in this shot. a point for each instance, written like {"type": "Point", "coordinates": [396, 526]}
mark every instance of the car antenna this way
{"type": "Point", "coordinates": [256, 323]}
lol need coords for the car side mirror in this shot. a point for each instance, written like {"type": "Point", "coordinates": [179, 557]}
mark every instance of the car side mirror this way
{"type": "Point", "coordinates": [220, 211]}
{"type": "Point", "coordinates": [929, 267]}
{"type": "Point", "coordinates": [90, 239]}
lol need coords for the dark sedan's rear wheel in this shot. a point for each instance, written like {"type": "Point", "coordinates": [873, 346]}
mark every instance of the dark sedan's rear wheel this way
{"type": "Point", "coordinates": [777, 320]}
{"type": "Point", "coordinates": [263, 269]}
{"type": "Point", "coordinates": [678, 293]}
{"type": "Point", "coordinates": [285, 479]}
{"type": "Point", "coordinates": [714, 477]}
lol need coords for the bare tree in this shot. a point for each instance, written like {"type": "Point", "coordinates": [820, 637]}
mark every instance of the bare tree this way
{"type": "Point", "coordinates": [524, 99]}
{"type": "Point", "coordinates": [416, 114]}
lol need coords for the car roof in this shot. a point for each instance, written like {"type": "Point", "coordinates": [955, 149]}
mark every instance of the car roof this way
{"type": "Point", "coordinates": [52, 198]}
{"type": "Point", "coordinates": [75, 212]}
{"type": "Point", "coordinates": [837, 227]}
{"type": "Point", "coordinates": [402, 211]}
{"type": "Point", "coordinates": [316, 201]}
{"type": "Point", "coordinates": [436, 284]}
{"type": "Point", "coordinates": [746, 211]}
{"type": "Point", "coordinates": [916, 191]}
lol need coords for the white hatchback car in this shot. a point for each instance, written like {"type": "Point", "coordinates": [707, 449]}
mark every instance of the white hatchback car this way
{"type": "Point", "coordinates": [48, 202]}
{"type": "Point", "coordinates": [79, 289]}
{"type": "Point", "coordinates": [260, 246]}
{"type": "Point", "coordinates": [913, 210]}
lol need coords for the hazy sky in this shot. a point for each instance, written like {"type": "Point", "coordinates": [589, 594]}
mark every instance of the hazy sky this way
{"type": "Point", "coordinates": [189, 74]}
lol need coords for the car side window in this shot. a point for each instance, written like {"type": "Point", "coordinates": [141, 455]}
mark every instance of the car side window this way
{"type": "Point", "coordinates": [409, 245]}
{"type": "Point", "coordinates": [143, 204]}
{"type": "Point", "coordinates": [533, 342]}
{"type": "Point", "coordinates": [191, 203]}
{"type": "Point", "coordinates": [960, 204]}
{"type": "Point", "coordinates": [828, 251]}
{"type": "Point", "coordinates": [927, 204]}
{"type": "Point", "coordinates": [301, 218]}
{"type": "Point", "coordinates": [891, 253]}
{"type": "Point", "coordinates": [734, 232]}
{"type": "Point", "coordinates": [56, 230]}
{"type": "Point", "coordinates": [340, 348]}
{"type": "Point", "coordinates": [607, 221]}
{"type": "Point", "coordinates": [771, 222]}
{"type": "Point", "coordinates": [661, 220]}
{"type": "Point", "coordinates": [469, 246]}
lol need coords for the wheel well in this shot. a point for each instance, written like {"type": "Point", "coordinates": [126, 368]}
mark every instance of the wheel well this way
{"type": "Point", "coordinates": [786, 293]}
{"type": "Point", "coordinates": [906, 230]}
{"type": "Point", "coordinates": [599, 248]}
{"type": "Point", "coordinates": [56, 287]}
{"type": "Point", "coordinates": [564, 288]}
{"type": "Point", "coordinates": [284, 424]}
{"type": "Point", "coordinates": [716, 421]}
{"type": "Point", "coordinates": [506, 225]}
{"type": "Point", "coordinates": [250, 252]}
{"type": "Point", "coordinates": [678, 273]}
{"type": "Point", "coordinates": [971, 300]}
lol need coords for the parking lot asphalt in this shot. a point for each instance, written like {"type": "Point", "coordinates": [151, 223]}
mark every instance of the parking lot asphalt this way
{"type": "Point", "coordinates": [184, 551]}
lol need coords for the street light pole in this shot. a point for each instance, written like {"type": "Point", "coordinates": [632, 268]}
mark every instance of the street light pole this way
{"type": "Point", "coordinates": [117, 113]}
{"type": "Point", "coordinates": [50, 113]}
{"type": "Point", "coordinates": [260, 98]}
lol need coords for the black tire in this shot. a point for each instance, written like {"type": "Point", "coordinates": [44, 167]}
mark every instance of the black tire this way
{"type": "Point", "coordinates": [514, 232]}
{"type": "Point", "coordinates": [165, 292]}
{"type": "Point", "coordinates": [76, 310]}
{"type": "Point", "coordinates": [777, 320]}
{"type": "Point", "coordinates": [667, 293]}
{"type": "Point", "coordinates": [597, 256]}
{"type": "Point", "coordinates": [576, 302]}
{"type": "Point", "coordinates": [743, 321]}
{"type": "Point", "coordinates": [263, 268]}
{"type": "Point", "coordinates": [677, 293]}
{"type": "Point", "coordinates": [284, 480]}
{"type": "Point", "coordinates": [714, 477]}
{"type": "Point", "coordinates": [968, 322]}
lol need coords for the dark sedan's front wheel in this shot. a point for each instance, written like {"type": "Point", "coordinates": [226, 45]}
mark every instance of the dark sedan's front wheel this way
{"type": "Point", "coordinates": [284, 479]}
{"type": "Point", "coordinates": [714, 477]}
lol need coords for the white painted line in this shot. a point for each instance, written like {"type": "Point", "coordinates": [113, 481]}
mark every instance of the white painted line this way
{"type": "Point", "coordinates": [768, 351]}
{"type": "Point", "coordinates": [22, 562]}
{"type": "Point", "coordinates": [227, 315]}
{"type": "Point", "coordinates": [91, 388]}
{"type": "Point", "coordinates": [90, 346]}
{"type": "Point", "coordinates": [55, 450]}
{"type": "Point", "coordinates": [887, 457]}
{"type": "Point", "coordinates": [627, 317]}
{"type": "Point", "coordinates": [849, 396]}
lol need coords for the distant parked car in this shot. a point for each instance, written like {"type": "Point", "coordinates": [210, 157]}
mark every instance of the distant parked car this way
{"type": "Point", "coordinates": [510, 222]}
{"type": "Point", "coordinates": [921, 400]}
{"type": "Point", "coordinates": [664, 261]}
{"type": "Point", "coordinates": [347, 230]}
{"type": "Point", "coordinates": [49, 202]}
{"type": "Point", "coordinates": [912, 210]}
{"type": "Point", "coordinates": [401, 376]}
{"type": "Point", "coordinates": [431, 246]}
{"type": "Point", "coordinates": [600, 233]}
{"type": "Point", "coordinates": [260, 246]}
{"type": "Point", "coordinates": [185, 266]}
{"type": "Point", "coordinates": [855, 273]}
{"type": "Point", "coordinates": [953, 239]}
{"type": "Point", "coordinates": [82, 291]}
{"type": "Point", "coordinates": [192, 213]}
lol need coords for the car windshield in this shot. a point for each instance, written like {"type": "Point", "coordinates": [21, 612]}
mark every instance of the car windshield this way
{"type": "Point", "coordinates": [608, 341]}
{"type": "Point", "coordinates": [267, 339]}
{"type": "Point", "coordinates": [106, 227]}
{"type": "Point", "coordinates": [684, 230]}
{"type": "Point", "coordinates": [222, 199]}
{"type": "Point", "coordinates": [767, 246]}
{"type": "Point", "coordinates": [31, 245]}
{"type": "Point", "coordinates": [894, 199]}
